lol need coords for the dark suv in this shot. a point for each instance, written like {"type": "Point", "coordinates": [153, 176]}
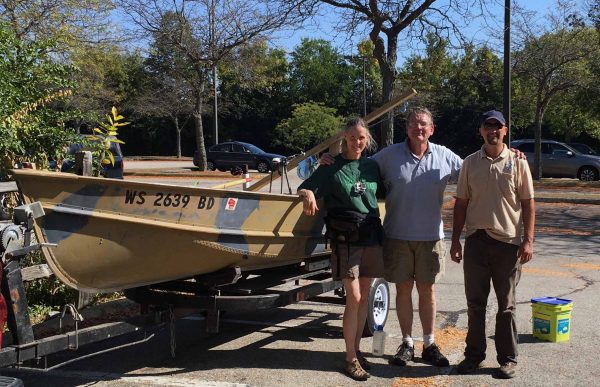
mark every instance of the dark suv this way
{"type": "Point", "coordinates": [560, 160]}
{"type": "Point", "coordinates": [233, 154]}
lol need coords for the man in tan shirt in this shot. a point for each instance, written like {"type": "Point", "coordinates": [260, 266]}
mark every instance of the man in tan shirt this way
{"type": "Point", "coordinates": [494, 198]}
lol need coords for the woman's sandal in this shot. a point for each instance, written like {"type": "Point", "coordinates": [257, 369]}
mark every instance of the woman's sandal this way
{"type": "Point", "coordinates": [364, 363]}
{"type": "Point", "coordinates": [355, 371]}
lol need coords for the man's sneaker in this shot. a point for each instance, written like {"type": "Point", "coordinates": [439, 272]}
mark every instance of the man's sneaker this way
{"type": "Point", "coordinates": [506, 371]}
{"type": "Point", "coordinates": [433, 355]}
{"type": "Point", "coordinates": [405, 354]}
{"type": "Point", "coordinates": [468, 366]}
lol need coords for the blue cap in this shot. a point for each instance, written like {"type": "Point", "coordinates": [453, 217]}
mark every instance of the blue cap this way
{"type": "Point", "coordinates": [492, 114]}
{"type": "Point", "coordinates": [378, 327]}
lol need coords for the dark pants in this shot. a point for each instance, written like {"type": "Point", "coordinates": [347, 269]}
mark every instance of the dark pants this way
{"type": "Point", "coordinates": [488, 259]}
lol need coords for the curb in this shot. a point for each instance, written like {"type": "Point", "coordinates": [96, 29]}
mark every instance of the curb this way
{"type": "Point", "coordinates": [567, 200]}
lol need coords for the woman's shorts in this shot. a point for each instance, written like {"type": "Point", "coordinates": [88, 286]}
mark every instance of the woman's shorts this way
{"type": "Point", "coordinates": [364, 261]}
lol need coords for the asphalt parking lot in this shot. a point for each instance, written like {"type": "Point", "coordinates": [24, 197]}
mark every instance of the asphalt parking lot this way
{"type": "Point", "coordinates": [301, 345]}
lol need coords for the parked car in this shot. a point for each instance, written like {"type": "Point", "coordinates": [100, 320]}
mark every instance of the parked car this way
{"type": "Point", "coordinates": [227, 155]}
{"type": "Point", "coordinates": [583, 148]}
{"type": "Point", "coordinates": [108, 170]}
{"type": "Point", "coordinates": [560, 160]}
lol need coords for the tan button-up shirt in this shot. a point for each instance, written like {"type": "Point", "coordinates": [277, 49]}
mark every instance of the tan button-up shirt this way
{"type": "Point", "coordinates": [495, 188]}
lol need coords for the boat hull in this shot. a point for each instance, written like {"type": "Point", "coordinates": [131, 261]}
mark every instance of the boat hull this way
{"type": "Point", "coordinates": [115, 234]}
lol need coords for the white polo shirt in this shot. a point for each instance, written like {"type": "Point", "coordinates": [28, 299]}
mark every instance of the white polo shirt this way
{"type": "Point", "coordinates": [415, 190]}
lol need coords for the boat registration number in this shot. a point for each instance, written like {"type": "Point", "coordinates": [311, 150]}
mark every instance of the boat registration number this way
{"type": "Point", "coordinates": [161, 199]}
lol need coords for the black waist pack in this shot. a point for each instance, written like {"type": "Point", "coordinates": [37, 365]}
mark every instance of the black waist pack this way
{"type": "Point", "coordinates": [351, 226]}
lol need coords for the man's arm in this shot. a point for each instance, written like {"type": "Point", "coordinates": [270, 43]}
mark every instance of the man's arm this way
{"type": "Point", "coordinates": [458, 222]}
{"type": "Point", "coordinates": [526, 249]}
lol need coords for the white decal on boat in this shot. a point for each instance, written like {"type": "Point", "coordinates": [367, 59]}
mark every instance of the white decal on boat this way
{"type": "Point", "coordinates": [231, 203]}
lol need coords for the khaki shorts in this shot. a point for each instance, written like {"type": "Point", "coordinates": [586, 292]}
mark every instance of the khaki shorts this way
{"type": "Point", "coordinates": [421, 261]}
{"type": "Point", "coordinates": [365, 261]}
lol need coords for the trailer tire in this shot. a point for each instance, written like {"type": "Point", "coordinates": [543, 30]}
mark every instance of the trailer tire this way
{"type": "Point", "coordinates": [379, 305]}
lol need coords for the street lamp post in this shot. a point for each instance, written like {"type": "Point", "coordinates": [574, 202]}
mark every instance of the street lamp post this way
{"type": "Point", "coordinates": [364, 78]}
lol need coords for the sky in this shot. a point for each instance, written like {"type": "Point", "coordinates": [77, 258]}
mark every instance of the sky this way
{"type": "Point", "coordinates": [324, 27]}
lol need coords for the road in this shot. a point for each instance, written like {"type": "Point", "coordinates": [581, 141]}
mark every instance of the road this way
{"type": "Point", "coordinates": [301, 345]}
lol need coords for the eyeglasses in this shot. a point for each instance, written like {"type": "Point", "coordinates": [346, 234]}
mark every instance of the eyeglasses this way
{"type": "Point", "coordinates": [492, 125]}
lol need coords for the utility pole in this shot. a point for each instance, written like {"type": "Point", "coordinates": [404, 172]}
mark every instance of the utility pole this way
{"type": "Point", "coordinates": [506, 92]}
{"type": "Point", "coordinates": [215, 107]}
{"type": "Point", "coordinates": [213, 37]}
{"type": "Point", "coordinates": [364, 82]}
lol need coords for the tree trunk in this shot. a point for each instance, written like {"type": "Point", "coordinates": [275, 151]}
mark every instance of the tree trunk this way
{"type": "Point", "coordinates": [387, 126]}
{"type": "Point", "coordinates": [570, 128]}
{"type": "Point", "coordinates": [198, 126]}
{"type": "Point", "coordinates": [387, 63]}
{"type": "Point", "coordinates": [178, 134]}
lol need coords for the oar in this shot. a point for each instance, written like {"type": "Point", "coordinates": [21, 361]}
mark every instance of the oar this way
{"type": "Point", "coordinates": [337, 137]}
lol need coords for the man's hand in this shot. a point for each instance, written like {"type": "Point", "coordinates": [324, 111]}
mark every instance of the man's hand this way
{"type": "Point", "coordinates": [456, 251]}
{"type": "Point", "coordinates": [525, 252]}
{"type": "Point", "coordinates": [309, 203]}
{"type": "Point", "coordinates": [326, 159]}
{"type": "Point", "coordinates": [519, 154]}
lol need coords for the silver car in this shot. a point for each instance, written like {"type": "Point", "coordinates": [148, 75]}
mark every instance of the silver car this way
{"type": "Point", "coordinates": [560, 160]}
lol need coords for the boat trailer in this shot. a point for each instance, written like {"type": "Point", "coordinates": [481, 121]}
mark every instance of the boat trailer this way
{"type": "Point", "coordinates": [212, 294]}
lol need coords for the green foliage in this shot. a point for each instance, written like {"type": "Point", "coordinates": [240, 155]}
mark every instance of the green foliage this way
{"type": "Point", "coordinates": [108, 77]}
{"type": "Point", "coordinates": [310, 124]}
{"type": "Point", "coordinates": [31, 84]}
{"type": "Point", "coordinates": [100, 142]}
{"type": "Point", "coordinates": [457, 89]}
{"type": "Point", "coordinates": [253, 93]}
{"type": "Point", "coordinates": [45, 294]}
{"type": "Point", "coordinates": [106, 134]}
{"type": "Point", "coordinates": [319, 73]}
{"type": "Point", "coordinates": [68, 22]}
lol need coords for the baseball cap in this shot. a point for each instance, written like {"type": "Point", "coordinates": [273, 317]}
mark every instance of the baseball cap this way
{"type": "Point", "coordinates": [492, 114]}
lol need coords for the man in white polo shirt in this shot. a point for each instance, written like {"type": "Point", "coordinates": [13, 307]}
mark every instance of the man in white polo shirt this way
{"type": "Point", "coordinates": [415, 173]}
{"type": "Point", "coordinates": [494, 198]}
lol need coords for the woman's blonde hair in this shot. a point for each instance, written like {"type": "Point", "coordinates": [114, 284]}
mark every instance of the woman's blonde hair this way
{"type": "Point", "coordinates": [357, 121]}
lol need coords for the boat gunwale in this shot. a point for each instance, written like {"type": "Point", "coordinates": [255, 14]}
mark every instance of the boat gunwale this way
{"type": "Point", "coordinates": [72, 178]}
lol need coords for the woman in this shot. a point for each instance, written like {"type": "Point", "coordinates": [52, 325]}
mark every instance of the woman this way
{"type": "Point", "coordinates": [349, 187]}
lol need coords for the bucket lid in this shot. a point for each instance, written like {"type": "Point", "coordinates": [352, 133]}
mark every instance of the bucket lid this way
{"type": "Point", "coordinates": [551, 300]}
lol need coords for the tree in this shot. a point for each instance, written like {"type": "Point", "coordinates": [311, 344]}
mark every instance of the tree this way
{"type": "Point", "coordinates": [66, 22]}
{"type": "Point", "coordinates": [367, 82]}
{"type": "Point", "coordinates": [311, 123]}
{"type": "Point", "coordinates": [205, 32]}
{"type": "Point", "coordinates": [319, 73]}
{"type": "Point", "coordinates": [554, 62]}
{"type": "Point", "coordinates": [108, 77]}
{"type": "Point", "coordinates": [31, 124]}
{"type": "Point", "coordinates": [167, 91]}
{"type": "Point", "coordinates": [255, 93]}
{"type": "Point", "coordinates": [386, 20]}
{"type": "Point", "coordinates": [574, 112]}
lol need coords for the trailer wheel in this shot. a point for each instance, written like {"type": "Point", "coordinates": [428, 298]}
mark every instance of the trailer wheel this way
{"type": "Point", "coordinates": [379, 305]}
